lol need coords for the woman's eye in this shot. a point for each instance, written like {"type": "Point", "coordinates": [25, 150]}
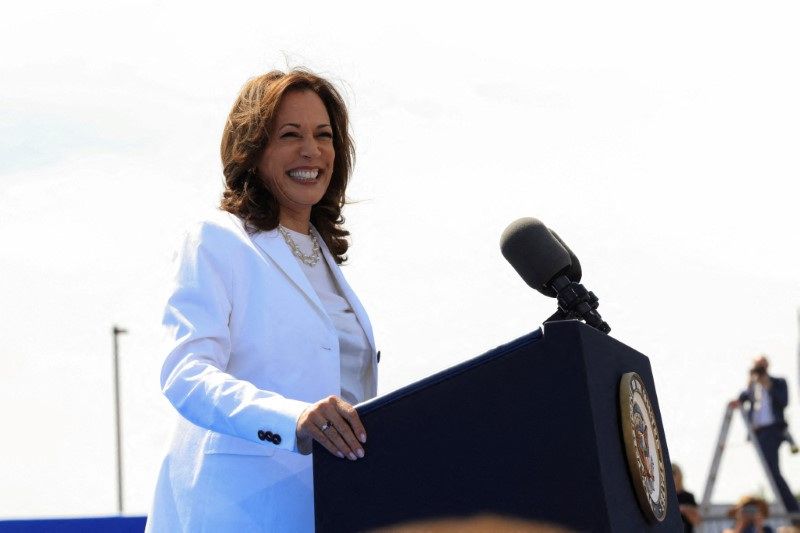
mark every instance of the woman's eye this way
{"type": "Point", "coordinates": [290, 134]}
{"type": "Point", "coordinates": [326, 135]}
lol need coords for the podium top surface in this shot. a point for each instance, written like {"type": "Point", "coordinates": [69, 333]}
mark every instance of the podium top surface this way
{"type": "Point", "coordinates": [379, 401]}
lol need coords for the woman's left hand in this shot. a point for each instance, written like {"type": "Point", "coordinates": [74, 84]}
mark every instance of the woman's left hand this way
{"type": "Point", "coordinates": [334, 423]}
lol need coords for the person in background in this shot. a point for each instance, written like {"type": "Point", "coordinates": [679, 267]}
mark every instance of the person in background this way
{"type": "Point", "coordinates": [765, 398]}
{"type": "Point", "coordinates": [690, 515]}
{"type": "Point", "coordinates": [749, 515]}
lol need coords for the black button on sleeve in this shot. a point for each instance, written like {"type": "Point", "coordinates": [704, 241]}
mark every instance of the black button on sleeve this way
{"type": "Point", "coordinates": [262, 435]}
{"type": "Point", "coordinates": [379, 356]}
{"type": "Point", "coordinates": [276, 439]}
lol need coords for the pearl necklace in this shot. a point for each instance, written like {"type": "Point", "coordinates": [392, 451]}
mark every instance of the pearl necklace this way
{"type": "Point", "coordinates": [311, 259]}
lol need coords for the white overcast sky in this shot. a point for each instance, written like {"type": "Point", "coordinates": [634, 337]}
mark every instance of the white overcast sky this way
{"type": "Point", "coordinates": [660, 141]}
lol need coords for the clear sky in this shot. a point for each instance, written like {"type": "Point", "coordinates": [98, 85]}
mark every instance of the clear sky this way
{"type": "Point", "coordinates": [660, 141]}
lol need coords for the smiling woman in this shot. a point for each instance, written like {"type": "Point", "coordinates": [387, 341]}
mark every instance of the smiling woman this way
{"type": "Point", "coordinates": [268, 346]}
{"type": "Point", "coordinates": [306, 121]}
{"type": "Point", "coordinates": [296, 166]}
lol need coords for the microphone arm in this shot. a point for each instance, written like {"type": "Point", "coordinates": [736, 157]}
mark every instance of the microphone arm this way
{"type": "Point", "coordinates": [574, 301]}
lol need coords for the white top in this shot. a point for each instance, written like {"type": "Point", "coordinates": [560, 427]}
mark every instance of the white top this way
{"type": "Point", "coordinates": [762, 407]}
{"type": "Point", "coordinates": [355, 352]}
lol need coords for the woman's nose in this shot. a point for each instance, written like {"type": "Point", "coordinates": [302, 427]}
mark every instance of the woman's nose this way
{"type": "Point", "coordinates": [310, 147]}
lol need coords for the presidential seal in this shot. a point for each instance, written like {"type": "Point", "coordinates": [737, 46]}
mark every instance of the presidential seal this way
{"type": "Point", "coordinates": [643, 447]}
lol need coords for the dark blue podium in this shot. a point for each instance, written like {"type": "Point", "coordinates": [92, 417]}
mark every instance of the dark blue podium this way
{"type": "Point", "coordinates": [530, 430]}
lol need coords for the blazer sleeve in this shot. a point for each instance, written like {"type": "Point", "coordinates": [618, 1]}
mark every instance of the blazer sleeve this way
{"type": "Point", "coordinates": [746, 396]}
{"type": "Point", "coordinates": [193, 376]}
{"type": "Point", "coordinates": [779, 393]}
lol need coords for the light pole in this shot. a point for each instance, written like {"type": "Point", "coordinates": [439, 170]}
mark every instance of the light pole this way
{"type": "Point", "coordinates": [116, 332]}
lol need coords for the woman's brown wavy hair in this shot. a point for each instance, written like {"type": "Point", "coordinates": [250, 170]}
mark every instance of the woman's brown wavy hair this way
{"type": "Point", "coordinates": [245, 136]}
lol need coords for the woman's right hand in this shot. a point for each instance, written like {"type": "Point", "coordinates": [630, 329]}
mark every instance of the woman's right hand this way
{"type": "Point", "coordinates": [335, 424]}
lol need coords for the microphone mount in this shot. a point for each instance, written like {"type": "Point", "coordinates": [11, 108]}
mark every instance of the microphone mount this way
{"type": "Point", "coordinates": [575, 302]}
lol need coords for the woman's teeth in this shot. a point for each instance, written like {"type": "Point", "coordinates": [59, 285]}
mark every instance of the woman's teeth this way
{"type": "Point", "coordinates": [303, 174]}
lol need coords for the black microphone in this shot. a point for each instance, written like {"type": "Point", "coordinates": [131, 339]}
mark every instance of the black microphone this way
{"type": "Point", "coordinates": [574, 273]}
{"type": "Point", "coordinates": [546, 264]}
{"type": "Point", "coordinates": [534, 253]}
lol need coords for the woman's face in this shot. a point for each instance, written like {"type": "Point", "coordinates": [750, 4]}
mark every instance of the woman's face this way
{"type": "Point", "coordinates": [297, 163]}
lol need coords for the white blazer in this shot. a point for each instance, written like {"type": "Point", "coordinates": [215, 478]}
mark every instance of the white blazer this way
{"type": "Point", "coordinates": [250, 346]}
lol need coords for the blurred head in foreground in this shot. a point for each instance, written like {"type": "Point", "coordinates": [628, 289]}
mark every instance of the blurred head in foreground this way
{"type": "Point", "coordinates": [477, 524]}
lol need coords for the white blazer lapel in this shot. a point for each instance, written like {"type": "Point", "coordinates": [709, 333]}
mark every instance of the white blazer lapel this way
{"type": "Point", "coordinates": [272, 244]}
{"type": "Point", "coordinates": [348, 293]}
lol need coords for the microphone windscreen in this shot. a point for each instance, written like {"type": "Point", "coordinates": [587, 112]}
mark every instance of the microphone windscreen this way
{"type": "Point", "coordinates": [574, 273]}
{"type": "Point", "coordinates": [534, 252]}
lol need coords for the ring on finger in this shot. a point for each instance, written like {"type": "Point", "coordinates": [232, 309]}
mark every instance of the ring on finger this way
{"type": "Point", "coordinates": [326, 426]}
